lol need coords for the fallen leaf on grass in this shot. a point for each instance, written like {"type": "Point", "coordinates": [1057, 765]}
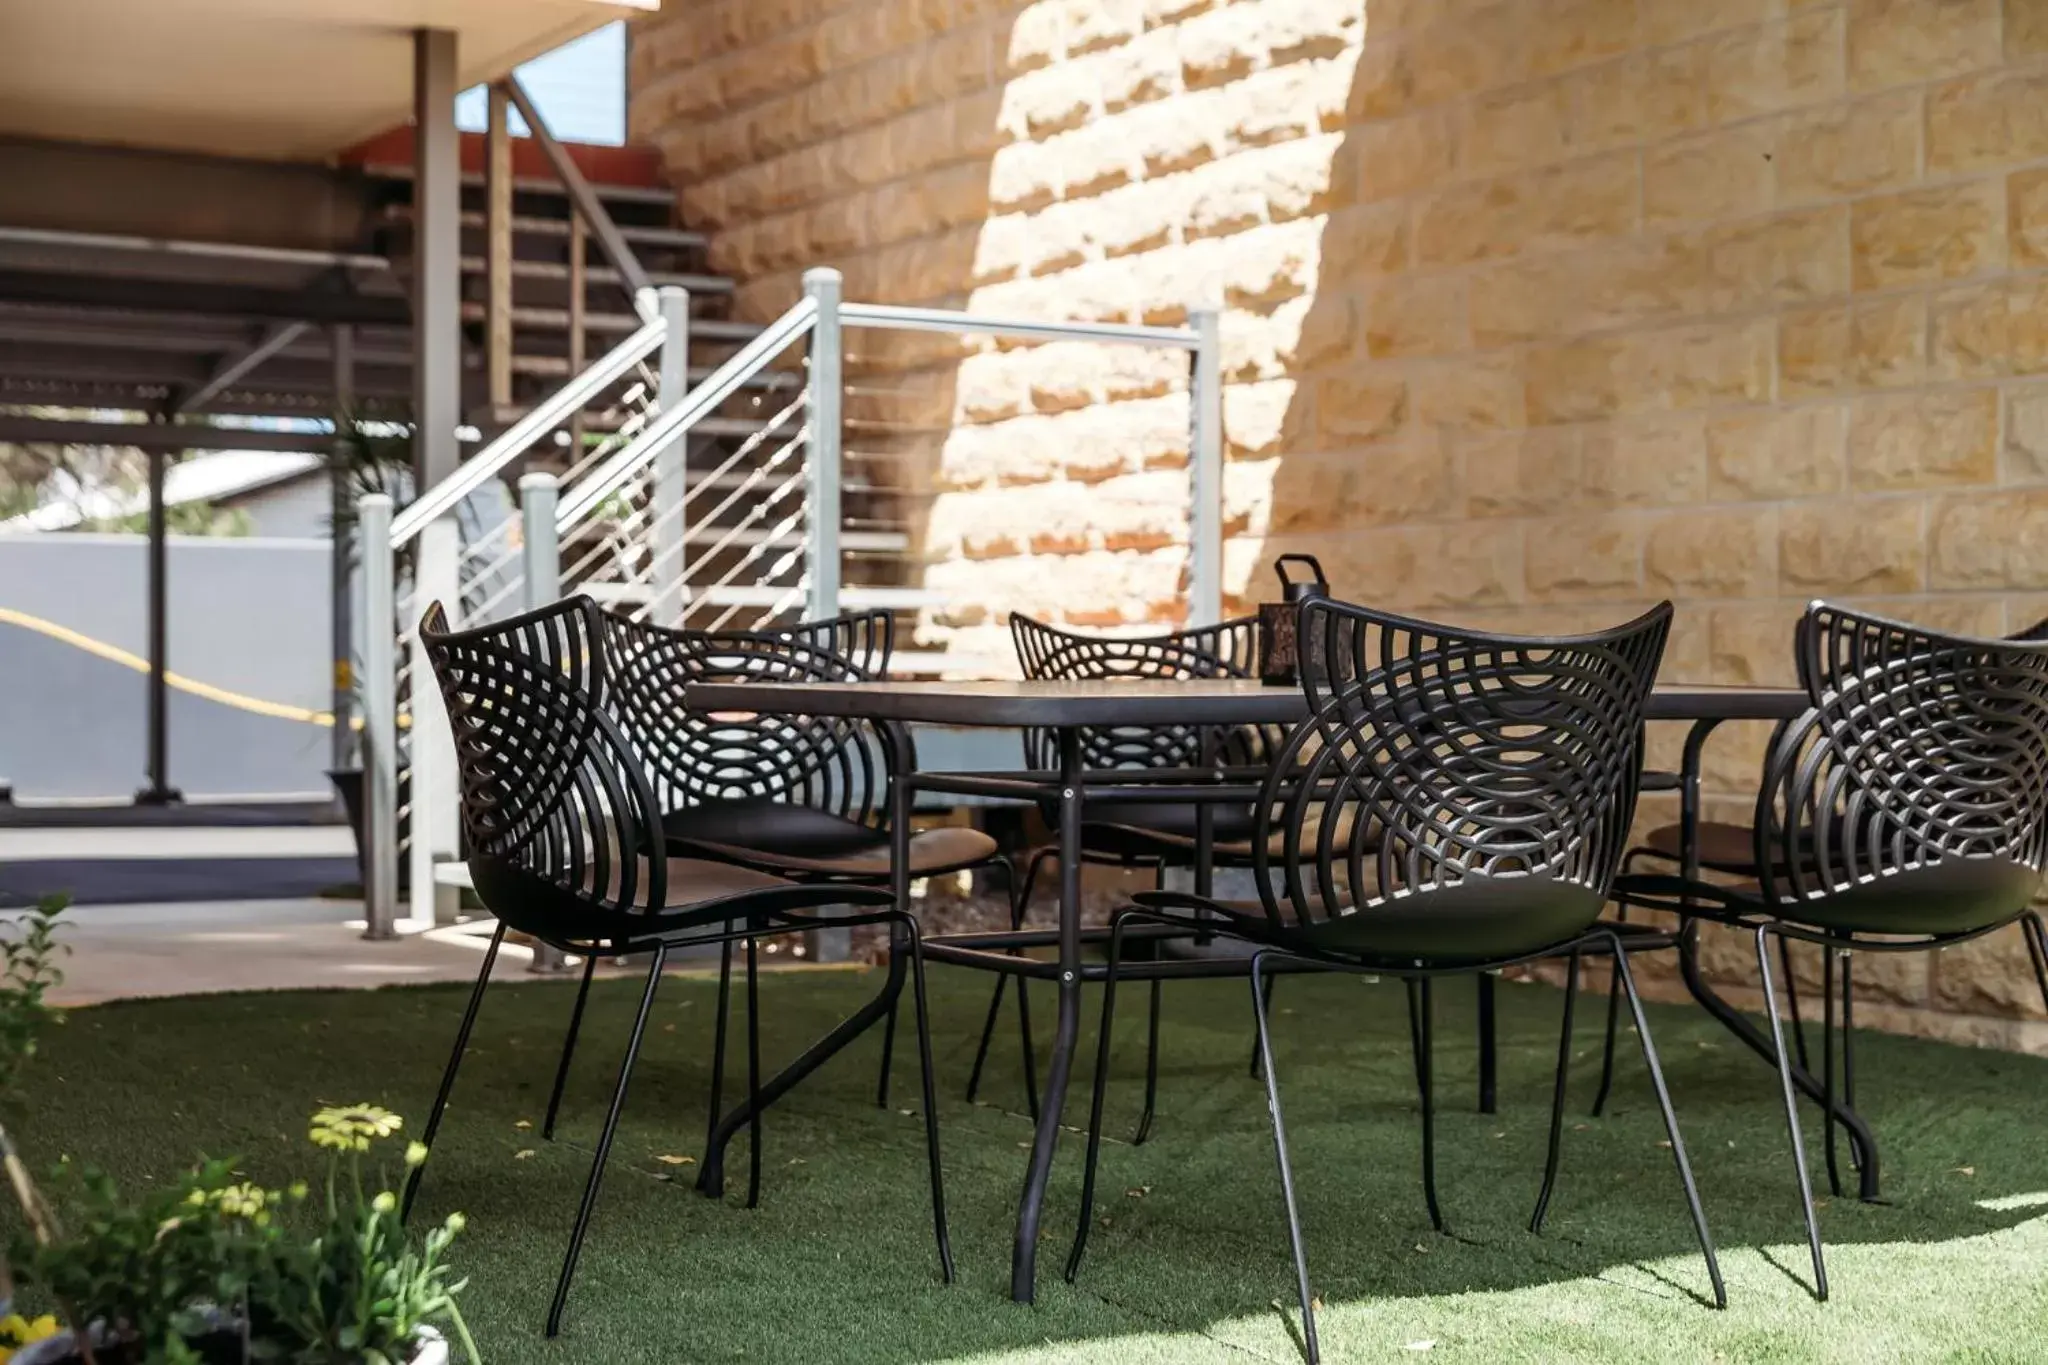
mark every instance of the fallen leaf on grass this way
{"type": "Point", "coordinates": [794, 1161]}
{"type": "Point", "coordinates": [1137, 1191]}
{"type": "Point", "coordinates": [1966, 1170]}
{"type": "Point", "coordinates": [522, 1154]}
{"type": "Point", "coordinates": [523, 1123]}
{"type": "Point", "coordinates": [1426, 1344]}
{"type": "Point", "coordinates": [676, 1160]}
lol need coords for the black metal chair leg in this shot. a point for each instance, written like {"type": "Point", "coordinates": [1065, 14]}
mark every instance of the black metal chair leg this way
{"type": "Point", "coordinates": [604, 1143]}
{"type": "Point", "coordinates": [754, 1074]}
{"type": "Point", "coordinates": [1792, 1003]}
{"type": "Point", "coordinates": [1607, 1049]}
{"type": "Point", "coordinates": [1020, 899]}
{"type": "Point", "coordinates": [1763, 962]}
{"type": "Point", "coordinates": [888, 1051]}
{"type": "Point", "coordinates": [1030, 1051]}
{"type": "Point", "coordinates": [718, 1037]}
{"type": "Point", "coordinates": [2036, 936]}
{"type": "Point", "coordinates": [1827, 1048]}
{"type": "Point", "coordinates": [1102, 1041]}
{"type": "Point", "coordinates": [1151, 1071]}
{"type": "Point", "coordinates": [476, 998]}
{"type": "Point", "coordinates": [1253, 1070]}
{"type": "Point", "coordinates": [1678, 1157]}
{"type": "Point", "coordinates": [1489, 1051]}
{"type": "Point", "coordinates": [1849, 1062]}
{"type": "Point", "coordinates": [547, 1127]}
{"type": "Point", "coordinates": [1308, 1312]}
{"type": "Point", "coordinates": [1564, 1061]}
{"type": "Point", "coordinates": [1419, 1011]}
{"type": "Point", "coordinates": [928, 1079]}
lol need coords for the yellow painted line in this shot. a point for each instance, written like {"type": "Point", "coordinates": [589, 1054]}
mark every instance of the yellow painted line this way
{"type": "Point", "coordinates": [99, 649]}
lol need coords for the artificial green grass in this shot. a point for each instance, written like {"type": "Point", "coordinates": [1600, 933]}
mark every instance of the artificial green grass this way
{"type": "Point", "coordinates": [1191, 1265]}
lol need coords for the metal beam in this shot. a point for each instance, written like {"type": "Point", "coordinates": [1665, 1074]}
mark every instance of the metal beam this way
{"type": "Point", "coordinates": [159, 792]}
{"type": "Point", "coordinates": [341, 518]}
{"type": "Point", "coordinates": [200, 299]}
{"type": "Point", "coordinates": [436, 265]}
{"type": "Point", "coordinates": [169, 246]}
{"type": "Point", "coordinates": [232, 367]}
{"type": "Point", "coordinates": [588, 206]}
{"type": "Point", "coordinates": [498, 249]}
{"type": "Point", "coordinates": [156, 435]}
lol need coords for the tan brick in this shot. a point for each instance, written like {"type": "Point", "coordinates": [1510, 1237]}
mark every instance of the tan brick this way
{"type": "Point", "coordinates": [1139, 72]}
{"type": "Point", "coordinates": [1520, 473]}
{"type": "Point", "coordinates": [2026, 203]}
{"type": "Point", "coordinates": [1861, 545]}
{"type": "Point", "coordinates": [1787, 258]}
{"type": "Point", "coordinates": [1653, 461]}
{"type": "Point", "coordinates": [1469, 391]}
{"type": "Point", "coordinates": [1574, 381]}
{"type": "Point", "coordinates": [1750, 645]}
{"type": "Point", "coordinates": [1312, 492]}
{"type": "Point", "coordinates": [1564, 34]}
{"type": "Point", "coordinates": [1971, 331]}
{"type": "Point", "coordinates": [1703, 553]}
{"type": "Point", "coordinates": [1451, 59]}
{"type": "Point", "coordinates": [1645, 96]}
{"type": "Point", "coordinates": [1380, 86]}
{"type": "Point", "coordinates": [1991, 975]}
{"type": "Point", "coordinates": [1255, 416]}
{"type": "Point", "coordinates": [1171, 135]}
{"type": "Point", "coordinates": [1222, 45]}
{"type": "Point", "coordinates": [1671, 21]}
{"type": "Point", "coordinates": [1036, 39]}
{"type": "Point", "coordinates": [1994, 119]}
{"type": "Point", "coordinates": [2026, 28]}
{"type": "Point", "coordinates": [1720, 175]}
{"type": "Point", "coordinates": [1578, 202]}
{"type": "Point", "coordinates": [1896, 42]}
{"type": "Point", "coordinates": [1850, 149]}
{"type": "Point", "coordinates": [1507, 130]}
{"type": "Point", "coordinates": [1271, 106]}
{"type": "Point", "coordinates": [1360, 406]}
{"type": "Point", "coordinates": [1878, 344]}
{"type": "Point", "coordinates": [1416, 315]}
{"type": "Point", "coordinates": [1772, 453]}
{"type": "Point", "coordinates": [1699, 366]}
{"type": "Point", "coordinates": [1398, 156]}
{"type": "Point", "coordinates": [1300, 30]}
{"type": "Point", "coordinates": [1919, 236]}
{"type": "Point", "coordinates": [1924, 440]}
{"type": "Point", "coordinates": [1586, 558]}
{"type": "Point", "coordinates": [1989, 541]}
{"type": "Point", "coordinates": [1776, 65]}
{"type": "Point", "coordinates": [1361, 243]}
{"type": "Point", "coordinates": [2026, 435]}
{"type": "Point", "coordinates": [1408, 478]}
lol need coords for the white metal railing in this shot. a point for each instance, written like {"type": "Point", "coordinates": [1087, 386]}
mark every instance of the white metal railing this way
{"type": "Point", "coordinates": [755, 527]}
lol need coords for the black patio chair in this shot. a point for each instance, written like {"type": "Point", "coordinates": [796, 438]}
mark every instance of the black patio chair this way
{"type": "Point", "coordinates": [564, 838]}
{"type": "Point", "coordinates": [1728, 848]}
{"type": "Point", "coordinates": [1907, 809]}
{"type": "Point", "coordinates": [1456, 803]}
{"type": "Point", "coordinates": [802, 797]}
{"type": "Point", "coordinates": [1155, 834]}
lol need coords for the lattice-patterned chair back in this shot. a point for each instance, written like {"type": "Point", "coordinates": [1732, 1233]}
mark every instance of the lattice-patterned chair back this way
{"type": "Point", "coordinates": [734, 762]}
{"type": "Point", "coordinates": [1226, 650]}
{"type": "Point", "coordinates": [556, 814]}
{"type": "Point", "coordinates": [1912, 797]}
{"type": "Point", "coordinates": [1454, 794]}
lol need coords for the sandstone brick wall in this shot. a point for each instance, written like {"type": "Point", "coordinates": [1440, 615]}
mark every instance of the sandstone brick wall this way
{"type": "Point", "coordinates": [1538, 310]}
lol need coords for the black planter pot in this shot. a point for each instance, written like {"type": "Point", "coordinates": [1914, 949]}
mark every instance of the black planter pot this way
{"type": "Point", "coordinates": [348, 785]}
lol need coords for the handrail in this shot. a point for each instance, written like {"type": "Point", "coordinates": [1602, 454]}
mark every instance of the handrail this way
{"type": "Point", "coordinates": [609, 239]}
{"type": "Point", "coordinates": [893, 316]}
{"type": "Point", "coordinates": [675, 422]}
{"type": "Point", "coordinates": [552, 411]}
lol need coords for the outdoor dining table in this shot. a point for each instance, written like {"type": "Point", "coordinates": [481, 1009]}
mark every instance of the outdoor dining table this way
{"type": "Point", "coordinates": [1066, 709]}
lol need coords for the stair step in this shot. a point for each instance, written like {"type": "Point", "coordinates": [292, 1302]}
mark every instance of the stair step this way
{"type": "Point", "coordinates": [557, 367]}
{"type": "Point", "coordinates": [603, 274]}
{"type": "Point", "coordinates": [752, 595]}
{"type": "Point", "coordinates": [533, 184]}
{"type": "Point", "coordinates": [680, 238]}
{"type": "Point", "coordinates": [557, 320]}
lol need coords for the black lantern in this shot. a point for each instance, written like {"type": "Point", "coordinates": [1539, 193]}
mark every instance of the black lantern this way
{"type": "Point", "coordinates": [1277, 652]}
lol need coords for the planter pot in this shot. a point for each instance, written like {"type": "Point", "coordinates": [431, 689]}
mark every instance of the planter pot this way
{"type": "Point", "coordinates": [221, 1348]}
{"type": "Point", "coordinates": [348, 785]}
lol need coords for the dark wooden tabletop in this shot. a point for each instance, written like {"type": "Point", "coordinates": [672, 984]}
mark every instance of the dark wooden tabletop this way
{"type": "Point", "coordinates": [1141, 701]}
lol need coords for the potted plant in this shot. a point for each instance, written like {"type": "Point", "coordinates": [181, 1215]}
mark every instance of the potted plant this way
{"type": "Point", "coordinates": [213, 1270]}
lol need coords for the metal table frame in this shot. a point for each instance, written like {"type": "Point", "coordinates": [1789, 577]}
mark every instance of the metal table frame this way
{"type": "Point", "coordinates": [1069, 707]}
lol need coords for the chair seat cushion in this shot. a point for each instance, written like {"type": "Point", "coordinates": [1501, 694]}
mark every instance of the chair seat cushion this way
{"type": "Point", "coordinates": [1954, 896]}
{"type": "Point", "coordinates": [1151, 829]}
{"type": "Point", "coordinates": [1481, 919]}
{"type": "Point", "coordinates": [779, 836]}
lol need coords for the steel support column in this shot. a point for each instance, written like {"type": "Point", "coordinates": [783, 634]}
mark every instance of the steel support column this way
{"type": "Point", "coordinates": [1205, 465]}
{"type": "Point", "coordinates": [341, 530]}
{"type": "Point", "coordinates": [670, 471]}
{"type": "Point", "coordinates": [159, 792]}
{"type": "Point", "coordinates": [380, 716]}
{"type": "Point", "coordinates": [541, 563]}
{"type": "Point", "coordinates": [498, 250]}
{"type": "Point", "coordinates": [822, 473]}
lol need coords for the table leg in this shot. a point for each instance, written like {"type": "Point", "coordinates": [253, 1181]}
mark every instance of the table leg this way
{"type": "Point", "coordinates": [1730, 1018]}
{"type": "Point", "coordinates": [1488, 1049]}
{"type": "Point", "coordinates": [711, 1173]}
{"type": "Point", "coordinates": [1024, 1256]}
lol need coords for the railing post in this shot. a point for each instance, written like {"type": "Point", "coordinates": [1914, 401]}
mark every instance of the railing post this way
{"type": "Point", "coordinates": [379, 697]}
{"type": "Point", "coordinates": [671, 529]}
{"type": "Point", "coordinates": [822, 468]}
{"type": "Point", "coordinates": [434, 804]}
{"type": "Point", "coordinates": [541, 554]}
{"type": "Point", "coordinates": [1205, 470]}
